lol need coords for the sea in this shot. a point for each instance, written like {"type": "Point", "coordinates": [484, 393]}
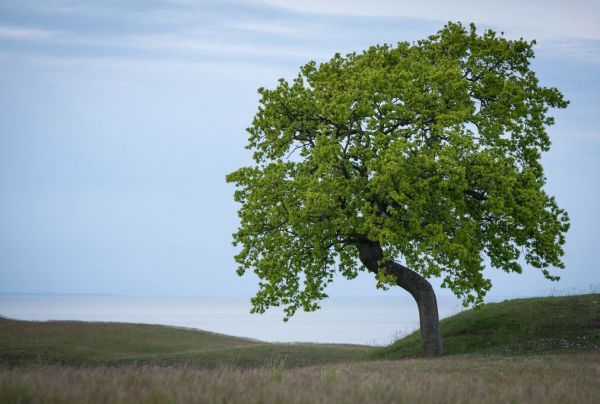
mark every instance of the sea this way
{"type": "Point", "coordinates": [347, 320]}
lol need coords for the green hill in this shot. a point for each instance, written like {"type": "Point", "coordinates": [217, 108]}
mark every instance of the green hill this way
{"type": "Point", "coordinates": [514, 327]}
{"type": "Point", "coordinates": [87, 343]}
{"type": "Point", "coordinates": [487, 361]}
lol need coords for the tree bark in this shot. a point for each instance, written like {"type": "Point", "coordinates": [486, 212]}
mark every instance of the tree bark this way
{"type": "Point", "coordinates": [371, 255]}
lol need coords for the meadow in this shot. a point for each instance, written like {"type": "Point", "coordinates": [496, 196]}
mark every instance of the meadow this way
{"type": "Point", "coordinates": [524, 350]}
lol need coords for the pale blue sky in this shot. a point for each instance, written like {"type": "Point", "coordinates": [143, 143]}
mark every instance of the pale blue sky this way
{"type": "Point", "coordinates": [120, 119]}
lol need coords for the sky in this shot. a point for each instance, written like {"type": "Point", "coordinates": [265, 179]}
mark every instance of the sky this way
{"type": "Point", "coordinates": [120, 119]}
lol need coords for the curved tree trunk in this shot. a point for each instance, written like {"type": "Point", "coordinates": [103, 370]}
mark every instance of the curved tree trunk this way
{"type": "Point", "coordinates": [371, 254]}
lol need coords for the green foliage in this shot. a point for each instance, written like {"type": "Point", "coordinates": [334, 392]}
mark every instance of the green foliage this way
{"type": "Point", "coordinates": [514, 327]}
{"type": "Point", "coordinates": [430, 149]}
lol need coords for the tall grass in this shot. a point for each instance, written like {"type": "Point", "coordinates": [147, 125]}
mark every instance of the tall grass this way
{"type": "Point", "coordinates": [77, 362]}
{"type": "Point", "coordinates": [531, 379]}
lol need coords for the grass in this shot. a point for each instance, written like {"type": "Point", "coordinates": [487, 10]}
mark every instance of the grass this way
{"type": "Point", "coordinates": [525, 350]}
{"type": "Point", "coordinates": [515, 327]}
{"type": "Point", "coordinates": [82, 343]}
{"type": "Point", "coordinates": [547, 379]}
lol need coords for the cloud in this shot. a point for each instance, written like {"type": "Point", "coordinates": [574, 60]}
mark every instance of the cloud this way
{"type": "Point", "coordinates": [23, 33]}
{"type": "Point", "coordinates": [264, 27]}
{"type": "Point", "coordinates": [586, 50]}
{"type": "Point", "coordinates": [201, 44]}
{"type": "Point", "coordinates": [135, 66]}
{"type": "Point", "coordinates": [285, 28]}
{"type": "Point", "coordinates": [533, 18]}
{"type": "Point", "coordinates": [179, 45]}
{"type": "Point", "coordinates": [278, 32]}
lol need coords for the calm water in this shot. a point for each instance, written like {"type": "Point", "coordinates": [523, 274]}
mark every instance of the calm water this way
{"type": "Point", "coordinates": [342, 320]}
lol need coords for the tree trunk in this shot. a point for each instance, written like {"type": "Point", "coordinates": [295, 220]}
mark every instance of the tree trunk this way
{"type": "Point", "coordinates": [370, 254]}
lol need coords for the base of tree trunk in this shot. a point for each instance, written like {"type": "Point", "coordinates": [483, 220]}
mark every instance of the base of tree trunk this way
{"type": "Point", "coordinates": [429, 322]}
{"type": "Point", "coordinates": [371, 255]}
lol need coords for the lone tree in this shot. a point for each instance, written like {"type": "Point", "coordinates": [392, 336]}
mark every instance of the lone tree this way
{"type": "Point", "coordinates": [426, 154]}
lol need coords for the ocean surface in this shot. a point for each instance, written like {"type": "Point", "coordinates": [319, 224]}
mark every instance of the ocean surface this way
{"type": "Point", "coordinates": [373, 321]}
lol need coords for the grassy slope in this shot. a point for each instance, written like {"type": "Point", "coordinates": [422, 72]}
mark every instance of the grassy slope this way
{"type": "Point", "coordinates": [504, 330]}
{"type": "Point", "coordinates": [83, 343]}
{"type": "Point", "coordinates": [514, 327]}
{"type": "Point", "coordinates": [522, 326]}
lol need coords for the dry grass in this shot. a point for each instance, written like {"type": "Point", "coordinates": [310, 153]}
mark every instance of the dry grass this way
{"type": "Point", "coordinates": [533, 379]}
{"type": "Point", "coordinates": [529, 350]}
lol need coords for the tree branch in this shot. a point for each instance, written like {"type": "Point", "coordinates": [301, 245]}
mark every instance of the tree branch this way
{"type": "Point", "coordinates": [479, 195]}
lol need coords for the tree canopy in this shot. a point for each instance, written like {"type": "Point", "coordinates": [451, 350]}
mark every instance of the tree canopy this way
{"type": "Point", "coordinates": [429, 149]}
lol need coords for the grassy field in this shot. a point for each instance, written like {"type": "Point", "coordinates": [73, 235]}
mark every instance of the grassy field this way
{"type": "Point", "coordinates": [527, 379]}
{"type": "Point", "coordinates": [526, 350]}
{"type": "Point", "coordinates": [81, 343]}
{"type": "Point", "coordinates": [516, 327]}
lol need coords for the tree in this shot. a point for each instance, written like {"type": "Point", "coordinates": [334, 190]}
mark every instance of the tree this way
{"type": "Point", "coordinates": [426, 154]}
